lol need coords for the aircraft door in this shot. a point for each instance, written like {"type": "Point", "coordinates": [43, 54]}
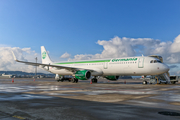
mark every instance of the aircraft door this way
{"type": "Point", "coordinates": [105, 65]}
{"type": "Point", "coordinates": [141, 62]}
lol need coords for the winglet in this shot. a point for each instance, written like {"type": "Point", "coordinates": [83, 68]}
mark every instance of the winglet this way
{"type": "Point", "coordinates": [14, 56]}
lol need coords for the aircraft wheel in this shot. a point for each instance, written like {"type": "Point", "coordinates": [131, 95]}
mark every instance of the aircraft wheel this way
{"type": "Point", "coordinates": [144, 82]}
{"type": "Point", "coordinates": [72, 80]}
{"type": "Point", "coordinates": [76, 80]}
{"type": "Point", "coordinates": [173, 82]}
{"type": "Point", "coordinates": [94, 80]}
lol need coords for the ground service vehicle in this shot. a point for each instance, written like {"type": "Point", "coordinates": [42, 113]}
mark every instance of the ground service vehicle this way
{"type": "Point", "coordinates": [174, 79]}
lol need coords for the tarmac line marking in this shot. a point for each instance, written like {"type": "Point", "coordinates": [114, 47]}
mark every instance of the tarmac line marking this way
{"type": "Point", "coordinates": [19, 117]}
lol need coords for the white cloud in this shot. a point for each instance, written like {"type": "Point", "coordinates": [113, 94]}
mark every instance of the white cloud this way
{"type": "Point", "coordinates": [123, 47]}
{"type": "Point", "coordinates": [113, 48]}
{"type": "Point", "coordinates": [65, 55]}
{"type": "Point", "coordinates": [26, 54]}
{"type": "Point", "coordinates": [178, 72]}
{"type": "Point", "coordinates": [175, 47]}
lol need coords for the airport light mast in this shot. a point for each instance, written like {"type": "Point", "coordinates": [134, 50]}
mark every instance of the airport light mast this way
{"type": "Point", "coordinates": [36, 68]}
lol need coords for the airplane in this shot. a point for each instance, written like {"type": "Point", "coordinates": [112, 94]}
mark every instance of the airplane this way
{"type": "Point", "coordinates": [110, 69]}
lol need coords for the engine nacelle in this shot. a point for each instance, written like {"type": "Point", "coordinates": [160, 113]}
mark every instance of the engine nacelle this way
{"type": "Point", "coordinates": [113, 78]}
{"type": "Point", "coordinates": [83, 75]}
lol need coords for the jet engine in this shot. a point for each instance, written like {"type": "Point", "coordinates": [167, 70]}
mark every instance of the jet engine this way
{"type": "Point", "coordinates": [83, 75]}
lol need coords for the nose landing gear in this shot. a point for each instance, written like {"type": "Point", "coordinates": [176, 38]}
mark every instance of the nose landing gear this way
{"type": "Point", "coordinates": [144, 82]}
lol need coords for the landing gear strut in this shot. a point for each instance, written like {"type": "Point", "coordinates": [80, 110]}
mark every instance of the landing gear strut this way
{"type": "Point", "coordinates": [144, 81]}
{"type": "Point", "coordinates": [59, 78]}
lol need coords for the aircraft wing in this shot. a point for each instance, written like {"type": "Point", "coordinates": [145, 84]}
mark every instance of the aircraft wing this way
{"type": "Point", "coordinates": [72, 69]}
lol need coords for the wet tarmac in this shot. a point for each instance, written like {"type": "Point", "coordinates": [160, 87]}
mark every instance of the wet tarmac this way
{"type": "Point", "coordinates": [46, 99]}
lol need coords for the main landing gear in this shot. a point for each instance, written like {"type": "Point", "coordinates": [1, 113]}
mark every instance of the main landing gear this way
{"type": "Point", "coordinates": [94, 80]}
{"type": "Point", "coordinates": [74, 80]}
{"type": "Point", "coordinates": [60, 79]}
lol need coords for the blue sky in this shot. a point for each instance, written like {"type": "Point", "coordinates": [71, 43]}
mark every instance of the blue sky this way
{"type": "Point", "coordinates": [86, 28]}
{"type": "Point", "coordinates": [74, 26]}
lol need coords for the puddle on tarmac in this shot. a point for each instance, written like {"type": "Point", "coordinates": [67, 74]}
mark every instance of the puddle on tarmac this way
{"type": "Point", "coordinates": [168, 97]}
{"type": "Point", "coordinates": [116, 91]}
{"type": "Point", "coordinates": [143, 102]}
{"type": "Point", "coordinates": [17, 88]}
{"type": "Point", "coordinates": [147, 103]}
{"type": "Point", "coordinates": [175, 87]}
{"type": "Point", "coordinates": [60, 94]}
{"type": "Point", "coordinates": [22, 97]}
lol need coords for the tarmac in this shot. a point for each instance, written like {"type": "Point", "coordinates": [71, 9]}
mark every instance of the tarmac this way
{"type": "Point", "coordinates": [47, 99]}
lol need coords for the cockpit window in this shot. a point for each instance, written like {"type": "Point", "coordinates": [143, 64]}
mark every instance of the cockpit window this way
{"type": "Point", "coordinates": [155, 61]}
{"type": "Point", "coordinates": [158, 61]}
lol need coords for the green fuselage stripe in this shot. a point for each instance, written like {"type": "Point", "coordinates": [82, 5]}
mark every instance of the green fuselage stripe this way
{"type": "Point", "coordinates": [80, 62]}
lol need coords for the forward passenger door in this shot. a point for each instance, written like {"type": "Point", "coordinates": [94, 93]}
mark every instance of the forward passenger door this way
{"type": "Point", "coordinates": [141, 62]}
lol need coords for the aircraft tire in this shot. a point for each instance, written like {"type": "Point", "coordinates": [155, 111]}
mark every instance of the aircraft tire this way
{"type": "Point", "coordinates": [76, 80]}
{"type": "Point", "coordinates": [72, 80]}
{"type": "Point", "coordinates": [144, 82]}
{"type": "Point", "coordinates": [94, 80]}
{"type": "Point", "coordinates": [173, 82]}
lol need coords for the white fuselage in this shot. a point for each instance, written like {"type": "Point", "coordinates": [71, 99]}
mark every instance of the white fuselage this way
{"type": "Point", "coordinates": [134, 66]}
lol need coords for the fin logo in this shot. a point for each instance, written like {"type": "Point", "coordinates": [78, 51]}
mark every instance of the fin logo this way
{"type": "Point", "coordinates": [44, 55]}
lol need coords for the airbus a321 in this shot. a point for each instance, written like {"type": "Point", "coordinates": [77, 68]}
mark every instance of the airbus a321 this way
{"type": "Point", "coordinates": [110, 69]}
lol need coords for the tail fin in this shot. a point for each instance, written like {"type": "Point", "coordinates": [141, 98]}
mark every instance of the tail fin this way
{"type": "Point", "coordinates": [44, 56]}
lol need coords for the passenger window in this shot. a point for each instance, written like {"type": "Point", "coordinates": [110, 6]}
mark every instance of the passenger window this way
{"type": "Point", "coordinates": [151, 61]}
{"type": "Point", "coordinates": [155, 61]}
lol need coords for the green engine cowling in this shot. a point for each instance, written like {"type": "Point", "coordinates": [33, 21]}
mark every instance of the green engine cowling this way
{"type": "Point", "coordinates": [83, 75]}
{"type": "Point", "coordinates": [113, 78]}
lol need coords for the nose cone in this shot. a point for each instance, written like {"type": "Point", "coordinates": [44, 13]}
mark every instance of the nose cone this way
{"type": "Point", "coordinates": [165, 68]}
